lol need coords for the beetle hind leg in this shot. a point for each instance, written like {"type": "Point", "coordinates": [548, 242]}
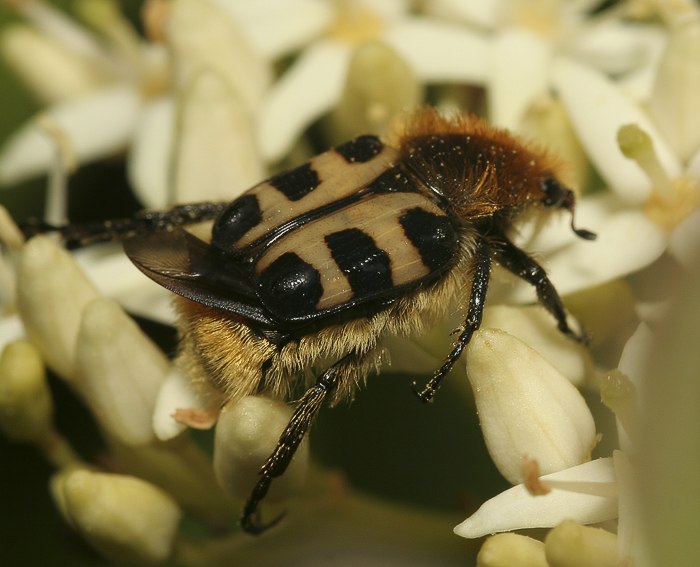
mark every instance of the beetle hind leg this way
{"type": "Point", "coordinates": [303, 417]}
{"type": "Point", "coordinates": [475, 310]}
{"type": "Point", "coordinates": [140, 224]}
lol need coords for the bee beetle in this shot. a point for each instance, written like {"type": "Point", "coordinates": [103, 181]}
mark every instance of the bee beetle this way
{"type": "Point", "coordinates": [318, 263]}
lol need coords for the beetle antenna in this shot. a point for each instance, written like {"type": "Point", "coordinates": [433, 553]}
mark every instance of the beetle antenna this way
{"type": "Point", "coordinates": [580, 232]}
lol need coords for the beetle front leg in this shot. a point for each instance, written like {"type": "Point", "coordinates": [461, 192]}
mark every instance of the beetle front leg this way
{"type": "Point", "coordinates": [140, 224]}
{"type": "Point", "coordinates": [475, 311]}
{"type": "Point", "coordinates": [524, 266]}
{"type": "Point", "coordinates": [300, 422]}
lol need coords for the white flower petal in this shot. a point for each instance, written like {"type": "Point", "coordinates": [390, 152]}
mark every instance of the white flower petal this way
{"type": "Point", "coordinates": [517, 509]}
{"type": "Point", "coordinates": [526, 407]}
{"type": "Point", "coordinates": [675, 101]}
{"type": "Point", "coordinates": [693, 169]}
{"type": "Point", "coordinates": [305, 92]}
{"type": "Point", "coordinates": [627, 242]}
{"type": "Point", "coordinates": [277, 27]}
{"type": "Point", "coordinates": [97, 125]}
{"type": "Point", "coordinates": [439, 52]}
{"type": "Point", "coordinates": [115, 276]}
{"type": "Point", "coordinates": [215, 156]}
{"type": "Point", "coordinates": [634, 360]}
{"type": "Point", "coordinates": [150, 153]}
{"type": "Point", "coordinates": [481, 13]}
{"type": "Point", "coordinates": [119, 372]}
{"type": "Point", "coordinates": [50, 71]}
{"type": "Point", "coordinates": [517, 58]}
{"type": "Point", "coordinates": [387, 10]}
{"type": "Point", "coordinates": [598, 109]}
{"type": "Point", "coordinates": [58, 26]}
{"type": "Point", "coordinates": [616, 46]}
{"type": "Point", "coordinates": [684, 245]}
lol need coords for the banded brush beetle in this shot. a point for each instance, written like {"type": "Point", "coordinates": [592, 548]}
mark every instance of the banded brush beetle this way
{"type": "Point", "coordinates": [320, 262]}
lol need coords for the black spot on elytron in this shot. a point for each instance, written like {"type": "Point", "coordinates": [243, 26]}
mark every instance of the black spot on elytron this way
{"type": "Point", "coordinates": [290, 287]}
{"type": "Point", "coordinates": [393, 180]}
{"type": "Point", "coordinates": [296, 183]}
{"type": "Point", "coordinates": [433, 236]}
{"type": "Point", "coordinates": [367, 267]}
{"type": "Point", "coordinates": [361, 149]}
{"type": "Point", "coordinates": [237, 219]}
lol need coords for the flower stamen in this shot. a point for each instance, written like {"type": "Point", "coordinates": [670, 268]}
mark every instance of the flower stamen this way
{"type": "Point", "coordinates": [671, 200]}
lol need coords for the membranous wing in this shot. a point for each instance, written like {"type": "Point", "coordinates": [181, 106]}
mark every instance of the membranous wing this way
{"type": "Point", "coordinates": [192, 268]}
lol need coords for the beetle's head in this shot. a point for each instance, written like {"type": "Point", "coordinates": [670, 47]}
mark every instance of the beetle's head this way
{"type": "Point", "coordinates": [558, 196]}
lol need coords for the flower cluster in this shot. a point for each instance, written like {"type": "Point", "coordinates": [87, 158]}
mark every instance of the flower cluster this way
{"type": "Point", "coordinates": [205, 97]}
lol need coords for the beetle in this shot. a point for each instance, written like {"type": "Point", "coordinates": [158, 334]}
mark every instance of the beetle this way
{"type": "Point", "coordinates": [321, 261]}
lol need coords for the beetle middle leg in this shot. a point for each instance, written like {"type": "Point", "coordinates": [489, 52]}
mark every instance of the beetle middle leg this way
{"type": "Point", "coordinates": [524, 266]}
{"type": "Point", "coordinates": [300, 422]}
{"type": "Point", "coordinates": [475, 311]}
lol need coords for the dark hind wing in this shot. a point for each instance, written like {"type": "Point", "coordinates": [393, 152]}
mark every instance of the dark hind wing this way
{"type": "Point", "coordinates": [191, 268]}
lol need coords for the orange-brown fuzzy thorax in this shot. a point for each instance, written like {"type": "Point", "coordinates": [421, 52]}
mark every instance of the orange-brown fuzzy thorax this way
{"type": "Point", "coordinates": [480, 169]}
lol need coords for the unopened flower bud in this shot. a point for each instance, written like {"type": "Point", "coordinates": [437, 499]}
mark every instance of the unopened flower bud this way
{"type": "Point", "coordinates": [368, 106]}
{"type": "Point", "coordinates": [534, 325]}
{"type": "Point", "coordinates": [526, 407]}
{"type": "Point", "coordinates": [120, 371]}
{"type": "Point", "coordinates": [508, 549]}
{"type": "Point", "coordinates": [573, 545]}
{"type": "Point", "coordinates": [246, 434]}
{"type": "Point", "coordinates": [26, 407]}
{"type": "Point", "coordinates": [123, 517]}
{"type": "Point", "coordinates": [52, 292]}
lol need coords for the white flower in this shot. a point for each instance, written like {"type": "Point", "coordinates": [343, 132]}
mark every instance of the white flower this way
{"type": "Point", "coordinates": [99, 115]}
{"type": "Point", "coordinates": [314, 82]}
{"type": "Point", "coordinates": [135, 110]}
{"type": "Point", "coordinates": [525, 37]}
{"type": "Point", "coordinates": [594, 492]}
